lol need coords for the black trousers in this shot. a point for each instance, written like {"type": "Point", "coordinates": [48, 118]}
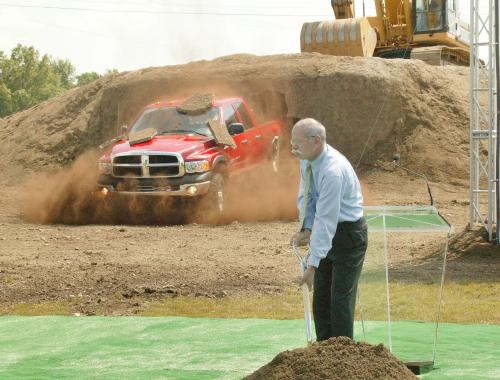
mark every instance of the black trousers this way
{"type": "Point", "coordinates": [336, 281]}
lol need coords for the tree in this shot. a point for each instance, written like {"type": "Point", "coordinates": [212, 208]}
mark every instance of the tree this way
{"type": "Point", "coordinates": [65, 71]}
{"type": "Point", "coordinates": [85, 78]}
{"type": "Point", "coordinates": [5, 100]}
{"type": "Point", "coordinates": [27, 79]}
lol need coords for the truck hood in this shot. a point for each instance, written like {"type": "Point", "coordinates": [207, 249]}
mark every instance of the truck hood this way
{"type": "Point", "coordinates": [185, 145]}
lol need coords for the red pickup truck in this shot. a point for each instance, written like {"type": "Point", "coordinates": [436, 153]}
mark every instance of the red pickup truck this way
{"type": "Point", "coordinates": [171, 150]}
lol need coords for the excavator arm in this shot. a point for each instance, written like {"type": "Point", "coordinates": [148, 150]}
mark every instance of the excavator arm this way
{"type": "Point", "coordinates": [343, 9]}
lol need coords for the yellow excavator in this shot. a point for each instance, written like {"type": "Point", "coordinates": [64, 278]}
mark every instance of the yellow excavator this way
{"type": "Point", "coordinates": [429, 30]}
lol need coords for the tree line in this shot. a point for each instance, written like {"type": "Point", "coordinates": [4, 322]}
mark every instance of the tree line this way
{"type": "Point", "coordinates": [27, 78]}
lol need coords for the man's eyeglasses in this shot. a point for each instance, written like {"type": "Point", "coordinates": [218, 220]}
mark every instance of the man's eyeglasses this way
{"type": "Point", "coordinates": [300, 140]}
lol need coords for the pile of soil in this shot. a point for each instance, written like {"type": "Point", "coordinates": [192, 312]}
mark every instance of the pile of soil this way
{"type": "Point", "coordinates": [335, 359]}
{"type": "Point", "coordinates": [371, 107]}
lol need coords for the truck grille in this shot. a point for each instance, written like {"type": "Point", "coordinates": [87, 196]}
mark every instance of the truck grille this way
{"type": "Point", "coordinates": [127, 171]}
{"type": "Point", "coordinates": [147, 165]}
{"type": "Point", "coordinates": [127, 160]}
{"type": "Point", "coordinates": [157, 159]}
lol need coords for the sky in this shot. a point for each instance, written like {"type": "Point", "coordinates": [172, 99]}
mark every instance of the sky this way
{"type": "Point", "coordinates": [97, 35]}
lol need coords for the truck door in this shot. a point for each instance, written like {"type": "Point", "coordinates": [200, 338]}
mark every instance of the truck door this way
{"type": "Point", "coordinates": [254, 134]}
{"type": "Point", "coordinates": [237, 156]}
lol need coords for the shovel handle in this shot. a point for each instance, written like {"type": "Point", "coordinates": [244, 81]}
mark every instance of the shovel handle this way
{"type": "Point", "coordinates": [305, 292]}
{"type": "Point", "coordinates": [307, 314]}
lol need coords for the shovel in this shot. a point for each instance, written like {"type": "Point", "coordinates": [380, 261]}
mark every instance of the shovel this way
{"type": "Point", "coordinates": [305, 291]}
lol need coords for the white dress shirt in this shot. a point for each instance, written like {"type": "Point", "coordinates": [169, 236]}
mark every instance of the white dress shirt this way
{"type": "Point", "coordinates": [334, 197]}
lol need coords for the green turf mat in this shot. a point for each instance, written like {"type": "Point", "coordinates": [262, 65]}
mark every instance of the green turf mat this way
{"type": "Point", "coordinates": [202, 348]}
{"type": "Point", "coordinates": [405, 218]}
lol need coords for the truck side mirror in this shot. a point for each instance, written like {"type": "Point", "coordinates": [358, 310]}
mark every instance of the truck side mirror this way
{"type": "Point", "coordinates": [235, 129]}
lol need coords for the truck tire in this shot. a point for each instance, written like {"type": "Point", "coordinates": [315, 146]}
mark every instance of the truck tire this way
{"type": "Point", "coordinates": [213, 204]}
{"type": "Point", "coordinates": [216, 194]}
{"type": "Point", "coordinates": [275, 156]}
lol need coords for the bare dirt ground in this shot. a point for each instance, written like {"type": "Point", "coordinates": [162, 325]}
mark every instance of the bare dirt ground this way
{"type": "Point", "coordinates": [119, 269]}
{"type": "Point", "coordinates": [56, 244]}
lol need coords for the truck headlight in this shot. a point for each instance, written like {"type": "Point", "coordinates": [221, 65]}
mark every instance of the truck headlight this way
{"type": "Point", "coordinates": [105, 167]}
{"type": "Point", "coordinates": [197, 166]}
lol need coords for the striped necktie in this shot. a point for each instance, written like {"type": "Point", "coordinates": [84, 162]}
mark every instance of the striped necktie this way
{"type": "Point", "coordinates": [305, 194]}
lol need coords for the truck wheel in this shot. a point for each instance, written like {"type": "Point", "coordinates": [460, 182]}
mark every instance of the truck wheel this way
{"type": "Point", "coordinates": [214, 203]}
{"type": "Point", "coordinates": [275, 157]}
{"type": "Point", "coordinates": [218, 193]}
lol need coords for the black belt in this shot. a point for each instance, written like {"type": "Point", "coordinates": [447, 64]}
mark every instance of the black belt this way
{"type": "Point", "coordinates": [356, 223]}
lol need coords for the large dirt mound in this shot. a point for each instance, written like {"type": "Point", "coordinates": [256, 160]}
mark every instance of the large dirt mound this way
{"type": "Point", "coordinates": [335, 359]}
{"type": "Point", "coordinates": [372, 108]}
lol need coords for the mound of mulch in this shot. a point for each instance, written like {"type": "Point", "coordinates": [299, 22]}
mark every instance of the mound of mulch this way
{"type": "Point", "coordinates": [336, 358]}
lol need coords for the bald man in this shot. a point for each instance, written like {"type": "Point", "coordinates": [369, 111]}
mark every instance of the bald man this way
{"type": "Point", "coordinates": [332, 222]}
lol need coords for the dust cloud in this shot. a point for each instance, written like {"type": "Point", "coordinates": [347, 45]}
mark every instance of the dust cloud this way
{"type": "Point", "coordinates": [70, 196]}
{"type": "Point", "coordinates": [262, 195]}
{"type": "Point", "coordinates": [63, 196]}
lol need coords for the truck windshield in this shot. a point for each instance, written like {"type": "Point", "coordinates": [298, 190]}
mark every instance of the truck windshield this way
{"type": "Point", "coordinates": [169, 120]}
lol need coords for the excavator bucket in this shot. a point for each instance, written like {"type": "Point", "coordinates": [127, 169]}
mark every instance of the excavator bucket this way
{"type": "Point", "coordinates": [349, 37]}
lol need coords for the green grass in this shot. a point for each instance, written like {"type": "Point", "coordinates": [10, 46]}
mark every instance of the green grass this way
{"type": "Point", "coordinates": [462, 303]}
{"type": "Point", "coordinates": [286, 305]}
{"type": "Point", "coordinates": [45, 308]}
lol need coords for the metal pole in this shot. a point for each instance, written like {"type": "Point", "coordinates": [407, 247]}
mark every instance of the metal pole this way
{"type": "Point", "coordinates": [440, 296]}
{"type": "Point", "coordinates": [388, 297]}
{"type": "Point", "coordinates": [497, 153]}
{"type": "Point", "coordinates": [360, 307]}
{"type": "Point", "coordinates": [491, 115]}
{"type": "Point", "coordinates": [484, 127]}
{"type": "Point", "coordinates": [473, 115]}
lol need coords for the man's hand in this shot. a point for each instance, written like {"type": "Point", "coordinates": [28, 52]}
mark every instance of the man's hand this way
{"type": "Point", "coordinates": [301, 238]}
{"type": "Point", "coordinates": [308, 277]}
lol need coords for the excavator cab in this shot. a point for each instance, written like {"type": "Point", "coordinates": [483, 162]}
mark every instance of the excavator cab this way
{"type": "Point", "coordinates": [429, 16]}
